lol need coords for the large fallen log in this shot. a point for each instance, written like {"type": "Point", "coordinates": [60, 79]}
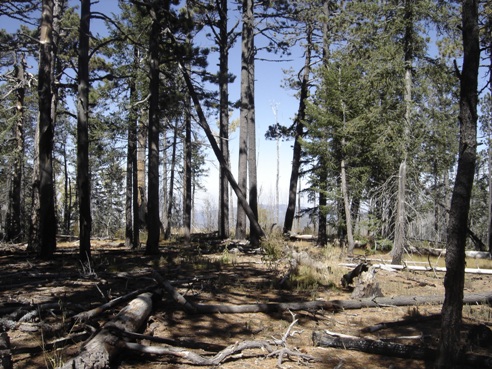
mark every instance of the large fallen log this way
{"type": "Point", "coordinates": [420, 268]}
{"type": "Point", "coordinates": [334, 305]}
{"type": "Point", "coordinates": [104, 347]}
{"type": "Point", "coordinates": [340, 341]}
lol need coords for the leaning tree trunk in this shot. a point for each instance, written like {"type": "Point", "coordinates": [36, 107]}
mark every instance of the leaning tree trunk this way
{"type": "Point", "coordinates": [46, 236]}
{"type": "Point", "coordinates": [83, 180]}
{"type": "Point", "coordinates": [153, 220]}
{"type": "Point", "coordinates": [202, 121]}
{"type": "Point", "coordinates": [449, 346]}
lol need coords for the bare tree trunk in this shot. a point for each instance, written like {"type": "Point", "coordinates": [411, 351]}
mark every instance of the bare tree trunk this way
{"type": "Point", "coordinates": [187, 195]}
{"type": "Point", "coordinates": [218, 153]}
{"type": "Point", "coordinates": [153, 220]}
{"type": "Point", "coordinates": [14, 231]}
{"type": "Point", "coordinates": [46, 237]}
{"type": "Point", "coordinates": [449, 345]}
{"type": "Point", "coordinates": [299, 133]}
{"type": "Point", "coordinates": [132, 217]}
{"type": "Point", "coordinates": [400, 226]}
{"type": "Point", "coordinates": [170, 199]}
{"type": "Point", "coordinates": [83, 179]}
{"type": "Point", "coordinates": [224, 117]}
{"type": "Point", "coordinates": [246, 117]}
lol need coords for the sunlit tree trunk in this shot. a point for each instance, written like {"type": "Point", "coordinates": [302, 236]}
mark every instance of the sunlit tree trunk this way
{"type": "Point", "coordinates": [153, 220]}
{"type": "Point", "coordinates": [400, 226]}
{"type": "Point", "coordinates": [449, 343]}
{"type": "Point", "coordinates": [224, 47]}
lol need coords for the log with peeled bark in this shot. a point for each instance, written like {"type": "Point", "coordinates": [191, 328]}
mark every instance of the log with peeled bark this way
{"type": "Point", "coordinates": [104, 347]}
{"type": "Point", "coordinates": [341, 341]}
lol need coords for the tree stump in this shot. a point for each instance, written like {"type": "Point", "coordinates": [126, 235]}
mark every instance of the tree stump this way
{"type": "Point", "coordinates": [367, 286]}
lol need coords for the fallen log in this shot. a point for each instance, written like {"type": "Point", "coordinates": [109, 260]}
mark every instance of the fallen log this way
{"type": "Point", "coordinates": [104, 347]}
{"type": "Point", "coordinates": [271, 307]}
{"type": "Point", "coordinates": [89, 314]}
{"type": "Point", "coordinates": [420, 268]}
{"type": "Point", "coordinates": [340, 341]}
{"type": "Point", "coordinates": [473, 298]}
{"type": "Point", "coordinates": [334, 305]}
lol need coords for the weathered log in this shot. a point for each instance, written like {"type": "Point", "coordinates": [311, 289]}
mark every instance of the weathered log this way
{"type": "Point", "coordinates": [193, 308]}
{"type": "Point", "coordinates": [104, 347]}
{"type": "Point", "coordinates": [473, 298]}
{"type": "Point", "coordinates": [86, 315]}
{"type": "Point", "coordinates": [329, 339]}
{"type": "Point", "coordinates": [420, 268]}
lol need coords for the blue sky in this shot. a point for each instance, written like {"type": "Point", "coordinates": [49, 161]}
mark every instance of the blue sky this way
{"type": "Point", "coordinates": [268, 93]}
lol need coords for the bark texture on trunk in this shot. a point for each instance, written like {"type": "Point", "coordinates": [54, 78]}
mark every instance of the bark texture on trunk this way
{"type": "Point", "coordinates": [449, 348]}
{"type": "Point", "coordinates": [83, 176]}
{"type": "Point", "coordinates": [45, 238]}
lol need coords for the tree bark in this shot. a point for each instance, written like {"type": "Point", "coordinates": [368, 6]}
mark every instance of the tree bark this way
{"type": "Point", "coordinates": [83, 179]}
{"type": "Point", "coordinates": [449, 347]}
{"type": "Point", "coordinates": [299, 133]}
{"type": "Point", "coordinates": [46, 237]}
{"type": "Point", "coordinates": [223, 41]}
{"type": "Point", "coordinates": [14, 231]}
{"type": "Point", "coordinates": [101, 350]}
{"type": "Point", "coordinates": [153, 220]}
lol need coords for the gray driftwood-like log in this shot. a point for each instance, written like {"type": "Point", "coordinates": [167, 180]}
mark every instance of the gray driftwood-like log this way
{"type": "Point", "coordinates": [86, 315]}
{"type": "Point", "coordinates": [325, 339]}
{"type": "Point", "coordinates": [104, 347]}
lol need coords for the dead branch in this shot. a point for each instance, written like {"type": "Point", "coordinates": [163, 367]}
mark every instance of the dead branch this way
{"type": "Point", "coordinates": [101, 350]}
{"type": "Point", "coordinates": [229, 351]}
{"type": "Point", "coordinates": [335, 340]}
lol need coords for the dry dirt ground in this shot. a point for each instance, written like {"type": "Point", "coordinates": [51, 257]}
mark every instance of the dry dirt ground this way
{"type": "Point", "coordinates": [205, 273]}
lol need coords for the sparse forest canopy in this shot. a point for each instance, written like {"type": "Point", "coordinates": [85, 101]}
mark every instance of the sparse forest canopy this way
{"type": "Point", "coordinates": [377, 89]}
{"type": "Point", "coordinates": [115, 116]}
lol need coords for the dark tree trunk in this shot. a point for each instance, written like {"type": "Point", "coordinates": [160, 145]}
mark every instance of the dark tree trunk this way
{"type": "Point", "coordinates": [224, 117]}
{"type": "Point", "coordinates": [323, 179]}
{"type": "Point", "coordinates": [46, 236]}
{"type": "Point", "coordinates": [83, 176]}
{"type": "Point", "coordinates": [171, 184]}
{"type": "Point", "coordinates": [133, 223]}
{"type": "Point", "coordinates": [299, 133]}
{"type": "Point", "coordinates": [14, 227]}
{"type": "Point", "coordinates": [153, 220]}
{"type": "Point", "coordinates": [449, 347]}
{"type": "Point", "coordinates": [187, 195]}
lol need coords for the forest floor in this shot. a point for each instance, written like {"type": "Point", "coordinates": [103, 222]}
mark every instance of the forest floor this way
{"type": "Point", "coordinates": [207, 273]}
